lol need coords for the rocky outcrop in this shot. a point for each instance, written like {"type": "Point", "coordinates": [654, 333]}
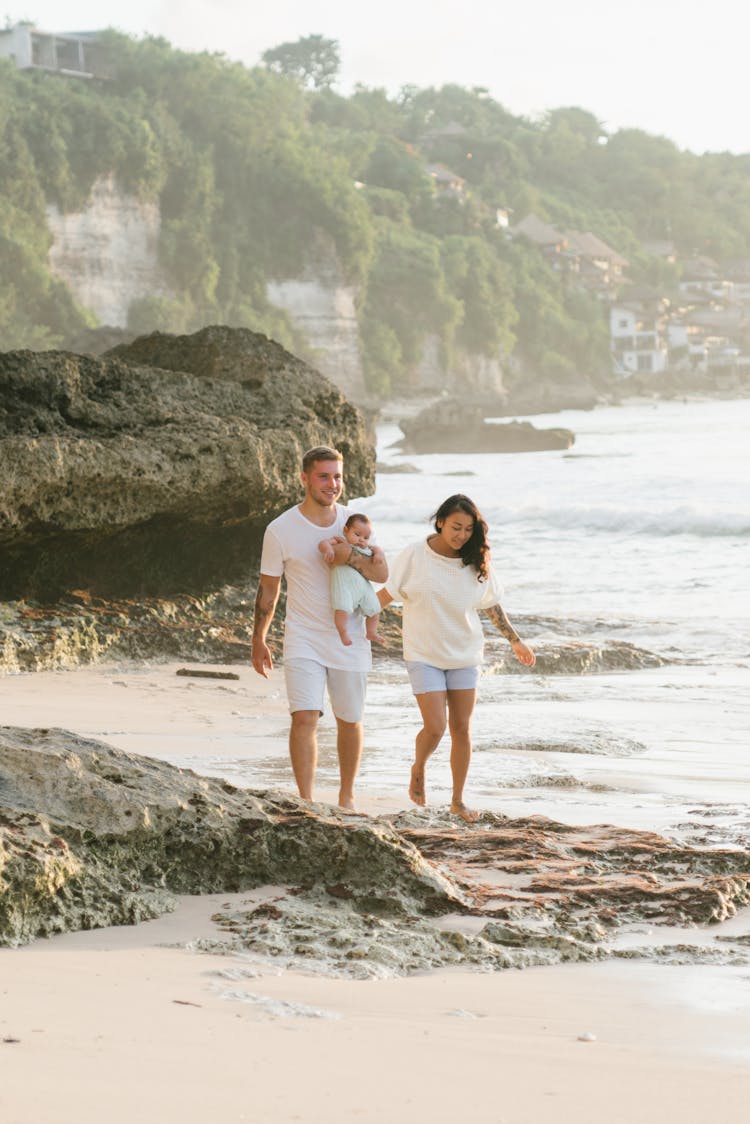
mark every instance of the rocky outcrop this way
{"type": "Point", "coordinates": [153, 468]}
{"type": "Point", "coordinates": [91, 836]}
{"type": "Point", "coordinates": [454, 426]}
{"type": "Point", "coordinates": [573, 657]}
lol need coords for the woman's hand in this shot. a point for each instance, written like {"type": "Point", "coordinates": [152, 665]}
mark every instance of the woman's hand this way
{"type": "Point", "coordinates": [523, 653]}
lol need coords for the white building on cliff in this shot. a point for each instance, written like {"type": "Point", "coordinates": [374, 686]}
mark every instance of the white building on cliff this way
{"type": "Point", "coordinates": [71, 53]}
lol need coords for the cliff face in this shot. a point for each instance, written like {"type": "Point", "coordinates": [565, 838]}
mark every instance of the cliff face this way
{"type": "Point", "coordinates": [473, 374]}
{"type": "Point", "coordinates": [324, 310]}
{"type": "Point", "coordinates": [108, 254]}
{"type": "Point", "coordinates": [154, 468]}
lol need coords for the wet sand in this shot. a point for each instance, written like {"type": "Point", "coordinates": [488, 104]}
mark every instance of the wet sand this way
{"type": "Point", "coordinates": [131, 1023]}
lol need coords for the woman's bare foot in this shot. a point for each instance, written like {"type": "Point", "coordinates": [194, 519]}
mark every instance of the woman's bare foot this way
{"type": "Point", "coordinates": [416, 786]}
{"type": "Point", "coordinates": [458, 808]}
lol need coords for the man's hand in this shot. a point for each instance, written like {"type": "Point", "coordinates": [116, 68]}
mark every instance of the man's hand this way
{"type": "Point", "coordinates": [261, 658]}
{"type": "Point", "coordinates": [265, 606]}
{"type": "Point", "coordinates": [374, 568]}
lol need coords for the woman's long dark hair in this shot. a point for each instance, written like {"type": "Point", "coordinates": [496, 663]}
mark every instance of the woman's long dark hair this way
{"type": "Point", "coordinates": [476, 551]}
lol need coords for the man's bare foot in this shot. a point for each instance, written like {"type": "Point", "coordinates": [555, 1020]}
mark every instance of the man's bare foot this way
{"type": "Point", "coordinates": [346, 804]}
{"type": "Point", "coordinates": [416, 786]}
{"type": "Point", "coordinates": [459, 809]}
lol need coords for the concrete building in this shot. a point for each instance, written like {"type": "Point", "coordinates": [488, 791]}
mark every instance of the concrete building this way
{"type": "Point", "coordinates": [70, 53]}
{"type": "Point", "coordinates": [637, 332]}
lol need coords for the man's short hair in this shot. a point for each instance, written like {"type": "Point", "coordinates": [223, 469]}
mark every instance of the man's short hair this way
{"type": "Point", "coordinates": [320, 453]}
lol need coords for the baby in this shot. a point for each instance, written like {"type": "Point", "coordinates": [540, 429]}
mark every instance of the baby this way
{"type": "Point", "coordinates": [349, 590]}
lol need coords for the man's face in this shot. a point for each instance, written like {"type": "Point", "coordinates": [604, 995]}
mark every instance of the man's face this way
{"type": "Point", "coordinates": [324, 482]}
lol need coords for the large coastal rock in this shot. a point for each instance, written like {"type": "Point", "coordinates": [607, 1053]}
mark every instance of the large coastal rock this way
{"type": "Point", "coordinates": [153, 468]}
{"type": "Point", "coordinates": [91, 836]}
{"type": "Point", "coordinates": [454, 426]}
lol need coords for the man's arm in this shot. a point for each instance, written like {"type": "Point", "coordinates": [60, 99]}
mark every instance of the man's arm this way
{"type": "Point", "coordinates": [265, 607]}
{"type": "Point", "coordinates": [375, 569]}
{"type": "Point", "coordinates": [498, 617]}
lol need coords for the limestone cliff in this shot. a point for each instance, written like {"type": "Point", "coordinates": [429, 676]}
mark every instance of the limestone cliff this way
{"type": "Point", "coordinates": [108, 253]}
{"type": "Point", "coordinates": [322, 305]}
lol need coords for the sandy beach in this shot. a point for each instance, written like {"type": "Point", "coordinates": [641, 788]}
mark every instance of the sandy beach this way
{"type": "Point", "coordinates": [132, 1021]}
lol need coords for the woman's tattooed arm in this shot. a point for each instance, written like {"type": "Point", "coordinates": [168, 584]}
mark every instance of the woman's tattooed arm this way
{"type": "Point", "coordinates": [497, 615]}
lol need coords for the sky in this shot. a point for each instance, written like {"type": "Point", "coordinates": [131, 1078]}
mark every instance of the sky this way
{"type": "Point", "coordinates": [668, 67]}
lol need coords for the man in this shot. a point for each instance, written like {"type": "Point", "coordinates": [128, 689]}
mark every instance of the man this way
{"type": "Point", "coordinates": [314, 656]}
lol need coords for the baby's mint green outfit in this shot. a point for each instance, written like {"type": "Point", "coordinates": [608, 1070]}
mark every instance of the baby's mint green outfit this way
{"type": "Point", "coordinates": [350, 591]}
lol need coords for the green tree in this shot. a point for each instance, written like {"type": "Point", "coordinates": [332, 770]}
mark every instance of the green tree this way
{"type": "Point", "coordinates": [313, 61]}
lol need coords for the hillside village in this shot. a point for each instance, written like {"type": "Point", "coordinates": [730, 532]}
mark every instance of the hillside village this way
{"type": "Point", "coordinates": [702, 325]}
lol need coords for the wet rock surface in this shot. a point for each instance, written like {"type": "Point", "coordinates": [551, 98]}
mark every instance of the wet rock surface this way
{"type": "Point", "coordinates": [574, 657]}
{"type": "Point", "coordinates": [91, 836]}
{"type": "Point", "coordinates": [84, 629]}
{"type": "Point", "coordinates": [154, 468]}
{"type": "Point", "coordinates": [454, 426]}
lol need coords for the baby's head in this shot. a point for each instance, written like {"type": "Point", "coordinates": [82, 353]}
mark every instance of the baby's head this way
{"type": "Point", "coordinates": [357, 530]}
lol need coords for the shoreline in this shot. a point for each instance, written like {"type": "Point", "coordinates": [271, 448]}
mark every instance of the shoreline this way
{"type": "Point", "coordinates": [208, 1036]}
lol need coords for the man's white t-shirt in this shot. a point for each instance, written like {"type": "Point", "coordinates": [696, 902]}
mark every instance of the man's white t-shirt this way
{"type": "Point", "coordinates": [441, 599]}
{"type": "Point", "coordinates": [290, 548]}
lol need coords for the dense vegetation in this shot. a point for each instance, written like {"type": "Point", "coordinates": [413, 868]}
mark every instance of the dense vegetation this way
{"type": "Point", "coordinates": [255, 169]}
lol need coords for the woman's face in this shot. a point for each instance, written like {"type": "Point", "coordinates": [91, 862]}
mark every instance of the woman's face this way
{"type": "Point", "coordinates": [456, 530]}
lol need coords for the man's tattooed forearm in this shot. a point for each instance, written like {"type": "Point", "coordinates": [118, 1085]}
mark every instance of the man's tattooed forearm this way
{"type": "Point", "coordinates": [263, 614]}
{"type": "Point", "coordinates": [497, 615]}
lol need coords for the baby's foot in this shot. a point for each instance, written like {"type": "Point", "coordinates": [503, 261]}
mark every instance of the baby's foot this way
{"type": "Point", "coordinates": [345, 639]}
{"type": "Point", "coordinates": [374, 636]}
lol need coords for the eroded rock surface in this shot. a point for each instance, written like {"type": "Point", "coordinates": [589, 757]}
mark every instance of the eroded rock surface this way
{"type": "Point", "coordinates": [153, 468]}
{"type": "Point", "coordinates": [91, 836]}
{"type": "Point", "coordinates": [452, 425]}
{"type": "Point", "coordinates": [573, 657]}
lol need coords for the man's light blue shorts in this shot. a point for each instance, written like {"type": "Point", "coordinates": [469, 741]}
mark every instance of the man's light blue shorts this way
{"type": "Point", "coordinates": [425, 678]}
{"type": "Point", "coordinates": [306, 682]}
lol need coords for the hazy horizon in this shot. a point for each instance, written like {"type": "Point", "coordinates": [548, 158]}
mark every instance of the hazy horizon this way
{"type": "Point", "coordinates": [658, 68]}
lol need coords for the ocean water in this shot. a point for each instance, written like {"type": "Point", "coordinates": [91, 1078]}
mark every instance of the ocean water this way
{"type": "Point", "coordinates": [638, 535]}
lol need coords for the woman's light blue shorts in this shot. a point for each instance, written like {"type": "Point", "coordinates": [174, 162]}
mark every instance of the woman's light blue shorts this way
{"type": "Point", "coordinates": [425, 678]}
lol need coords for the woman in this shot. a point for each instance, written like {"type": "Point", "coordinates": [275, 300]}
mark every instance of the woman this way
{"type": "Point", "coordinates": [443, 583]}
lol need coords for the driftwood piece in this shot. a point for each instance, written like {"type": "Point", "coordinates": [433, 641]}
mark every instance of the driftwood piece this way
{"type": "Point", "coordinates": [203, 674]}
